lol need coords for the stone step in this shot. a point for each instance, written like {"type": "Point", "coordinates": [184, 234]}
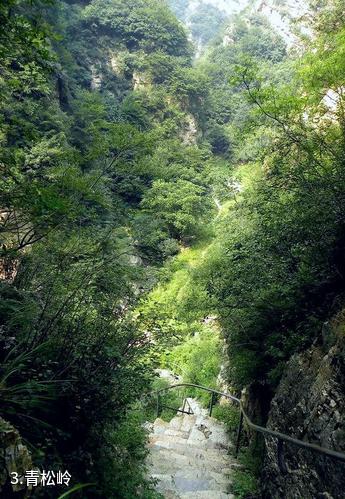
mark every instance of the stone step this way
{"type": "Point", "coordinates": [176, 423]}
{"type": "Point", "coordinates": [184, 481]}
{"type": "Point", "coordinates": [191, 446]}
{"type": "Point", "coordinates": [209, 494]}
{"type": "Point", "coordinates": [201, 456]}
{"type": "Point", "coordinates": [176, 433]}
{"type": "Point", "coordinates": [160, 426]}
{"type": "Point", "coordinates": [163, 440]}
{"type": "Point", "coordinates": [197, 459]}
{"type": "Point", "coordinates": [182, 463]}
{"type": "Point", "coordinates": [219, 478]}
{"type": "Point", "coordinates": [214, 470]}
{"type": "Point", "coordinates": [201, 436]}
{"type": "Point", "coordinates": [188, 422]}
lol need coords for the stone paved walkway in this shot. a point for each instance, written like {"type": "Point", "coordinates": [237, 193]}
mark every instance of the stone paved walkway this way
{"type": "Point", "coordinates": [189, 456]}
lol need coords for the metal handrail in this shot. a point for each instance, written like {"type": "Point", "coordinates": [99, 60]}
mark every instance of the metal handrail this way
{"type": "Point", "coordinates": [260, 429]}
{"type": "Point", "coordinates": [190, 410]}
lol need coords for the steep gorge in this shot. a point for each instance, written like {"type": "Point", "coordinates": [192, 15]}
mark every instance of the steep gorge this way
{"type": "Point", "coordinates": [160, 212]}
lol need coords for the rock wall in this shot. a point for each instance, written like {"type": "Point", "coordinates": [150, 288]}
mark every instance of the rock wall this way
{"type": "Point", "coordinates": [310, 405]}
{"type": "Point", "coordinates": [14, 457]}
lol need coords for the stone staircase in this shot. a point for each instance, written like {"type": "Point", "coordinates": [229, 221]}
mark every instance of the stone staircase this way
{"type": "Point", "coordinates": [189, 456]}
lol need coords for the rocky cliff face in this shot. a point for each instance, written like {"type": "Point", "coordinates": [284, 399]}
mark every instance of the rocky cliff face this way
{"type": "Point", "coordinates": [280, 14]}
{"type": "Point", "coordinates": [310, 405]}
{"type": "Point", "coordinates": [15, 458]}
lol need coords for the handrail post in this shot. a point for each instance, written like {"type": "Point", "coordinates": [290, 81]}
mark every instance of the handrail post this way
{"type": "Point", "coordinates": [280, 455]}
{"type": "Point", "coordinates": [158, 407]}
{"type": "Point", "coordinates": [239, 431]}
{"type": "Point", "coordinates": [211, 404]}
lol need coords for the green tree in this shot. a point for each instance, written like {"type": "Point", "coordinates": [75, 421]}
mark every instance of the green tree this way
{"type": "Point", "coordinates": [180, 206]}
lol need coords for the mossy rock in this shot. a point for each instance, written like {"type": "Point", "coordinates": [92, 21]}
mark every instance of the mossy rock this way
{"type": "Point", "coordinates": [14, 456]}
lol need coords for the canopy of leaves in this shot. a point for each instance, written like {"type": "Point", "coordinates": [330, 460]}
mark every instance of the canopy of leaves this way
{"type": "Point", "coordinates": [147, 24]}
